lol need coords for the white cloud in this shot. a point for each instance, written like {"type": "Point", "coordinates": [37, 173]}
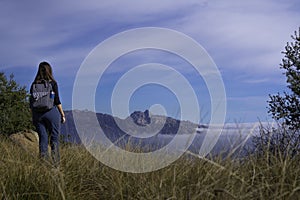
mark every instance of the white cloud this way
{"type": "Point", "coordinates": [244, 34]}
{"type": "Point", "coordinates": [257, 81]}
{"type": "Point", "coordinates": [236, 33]}
{"type": "Point", "coordinates": [33, 30]}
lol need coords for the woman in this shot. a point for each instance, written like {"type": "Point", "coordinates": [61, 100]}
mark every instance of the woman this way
{"type": "Point", "coordinates": [48, 120]}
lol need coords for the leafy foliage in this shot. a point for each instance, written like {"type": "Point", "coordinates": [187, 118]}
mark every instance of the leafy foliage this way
{"type": "Point", "coordinates": [285, 109]}
{"type": "Point", "coordinates": [14, 106]}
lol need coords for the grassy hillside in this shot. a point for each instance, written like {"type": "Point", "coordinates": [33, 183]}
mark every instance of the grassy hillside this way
{"type": "Point", "coordinates": [80, 176]}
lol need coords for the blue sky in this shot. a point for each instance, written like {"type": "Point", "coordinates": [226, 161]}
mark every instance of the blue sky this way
{"type": "Point", "coordinates": [244, 38]}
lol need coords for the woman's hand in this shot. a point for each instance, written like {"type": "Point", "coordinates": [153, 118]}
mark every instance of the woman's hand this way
{"type": "Point", "coordinates": [63, 119]}
{"type": "Point", "coordinates": [62, 114]}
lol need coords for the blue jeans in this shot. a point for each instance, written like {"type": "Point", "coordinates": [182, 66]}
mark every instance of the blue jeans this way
{"type": "Point", "coordinates": [48, 122]}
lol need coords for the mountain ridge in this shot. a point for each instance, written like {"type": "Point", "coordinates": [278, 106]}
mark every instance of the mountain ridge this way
{"type": "Point", "coordinates": [137, 123]}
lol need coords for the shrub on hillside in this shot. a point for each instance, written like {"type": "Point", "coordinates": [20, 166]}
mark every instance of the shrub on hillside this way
{"type": "Point", "coordinates": [278, 140]}
{"type": "Point", "coordinates": [285, 109]}
{"type": "Point", "coordinates": [15, 114]}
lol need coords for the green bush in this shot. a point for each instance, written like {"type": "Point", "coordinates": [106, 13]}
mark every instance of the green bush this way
{"type": "Point", "coordinates": [285, 108]}
{"type": "Point", "coordinates": [15, 114]}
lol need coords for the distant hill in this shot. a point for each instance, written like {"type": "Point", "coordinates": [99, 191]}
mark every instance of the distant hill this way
{"type": "Point", "coordinates": [138, 123]}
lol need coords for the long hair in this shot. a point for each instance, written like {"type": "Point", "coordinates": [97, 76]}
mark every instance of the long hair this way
{"type": "Point", "coordinates": [44, 73]}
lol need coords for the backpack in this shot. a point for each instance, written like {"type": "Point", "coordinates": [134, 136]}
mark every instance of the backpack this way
{"type": "Point", "coordinates": [41, 96]}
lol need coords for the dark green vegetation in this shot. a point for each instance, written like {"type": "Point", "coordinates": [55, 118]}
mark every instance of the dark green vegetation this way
{"type": "Point", "coordinates": [15, 114]}
{"type": "Point", "coordinates": [285, 109]}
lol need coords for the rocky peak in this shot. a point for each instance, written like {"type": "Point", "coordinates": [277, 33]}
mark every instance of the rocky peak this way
{"type": "Point", "coordinates": [141, 118]}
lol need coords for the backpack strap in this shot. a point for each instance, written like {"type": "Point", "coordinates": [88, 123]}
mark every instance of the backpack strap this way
{"type": "Point", "coordinates": [43, 81]}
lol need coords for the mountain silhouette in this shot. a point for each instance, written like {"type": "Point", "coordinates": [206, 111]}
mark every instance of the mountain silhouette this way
{"type": "Point", "coordinates": [138, 123]}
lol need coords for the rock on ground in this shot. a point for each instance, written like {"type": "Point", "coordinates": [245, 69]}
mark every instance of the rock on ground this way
{"type": "Point", "coordinates": [28, 140]}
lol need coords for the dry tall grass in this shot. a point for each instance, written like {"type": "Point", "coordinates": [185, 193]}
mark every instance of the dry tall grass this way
{"type": "Point", "coordinates": [80, 176]}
